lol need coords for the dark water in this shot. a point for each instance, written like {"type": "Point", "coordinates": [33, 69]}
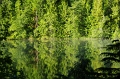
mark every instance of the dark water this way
{"type": "Point", "coordinates": [53, 59]}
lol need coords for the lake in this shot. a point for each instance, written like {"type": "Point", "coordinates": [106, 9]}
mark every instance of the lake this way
{"type": "Point", "coordinates": [52, 59]}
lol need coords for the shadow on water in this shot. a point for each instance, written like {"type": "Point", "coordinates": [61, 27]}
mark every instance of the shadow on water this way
{"type": "Point", "coordinates": [7, 68]}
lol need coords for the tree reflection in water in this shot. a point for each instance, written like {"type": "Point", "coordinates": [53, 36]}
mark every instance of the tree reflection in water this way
{"type": "Point", "coordinates": [82, 68]}
{"type": "Point", "coordinates": [7, 67]}
{"type": "Point", "coordinates": [111, 57]}
{"type": "Point", "coordinates": [57, 60]}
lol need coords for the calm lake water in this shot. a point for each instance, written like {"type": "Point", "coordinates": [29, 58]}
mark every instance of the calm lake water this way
{"type": "Point", "coordinates": [52, 59]}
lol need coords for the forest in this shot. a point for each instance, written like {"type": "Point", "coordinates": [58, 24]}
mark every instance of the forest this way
{"type": "Point", "coordinates": [25, 19]}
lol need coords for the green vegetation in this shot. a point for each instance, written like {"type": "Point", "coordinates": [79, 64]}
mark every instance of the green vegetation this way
{"type": "Point", "coordinates": [20, 19]}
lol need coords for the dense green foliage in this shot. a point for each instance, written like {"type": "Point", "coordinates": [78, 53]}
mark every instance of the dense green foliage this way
{"type": "Point", "coordinates": [59, 18]}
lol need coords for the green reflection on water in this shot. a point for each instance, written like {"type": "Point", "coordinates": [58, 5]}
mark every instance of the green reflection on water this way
{"type": "Point", "coordinates": [55, 59]}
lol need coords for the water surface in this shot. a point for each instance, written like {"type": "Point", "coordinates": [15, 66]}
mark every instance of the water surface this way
{"type": "Point", "coordinates": [52, 59]}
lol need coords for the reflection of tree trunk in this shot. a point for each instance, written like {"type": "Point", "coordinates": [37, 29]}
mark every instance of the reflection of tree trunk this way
{"type": "Point", "coordinates": [36, 58]}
